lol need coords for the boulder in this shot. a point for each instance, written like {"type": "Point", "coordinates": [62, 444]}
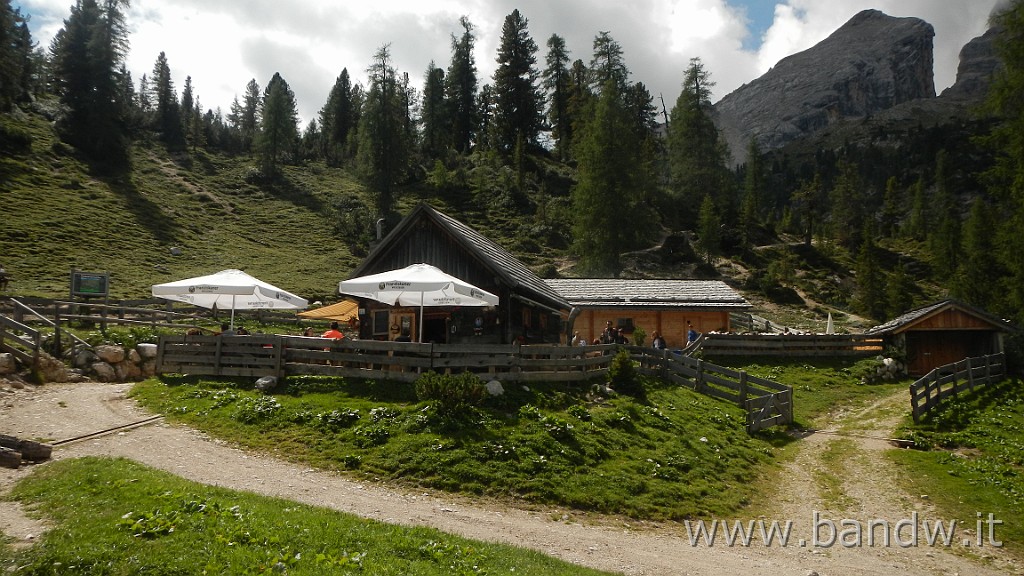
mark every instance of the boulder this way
{"type": "Point", "coordinates": [134, 357]}
{"type": "Point", "coordinates": [110, 354]}
{"type": "Point", "coordinates": [84, 358]}
{"type": "Point", "coordinates": [104, 372]}
{"type": "Point", "coordinates": [147, 351]}
{"type": "Point", "coordinates": [266, 383]}
{"type": "Point", "coordinates": [51, 369]}
{"type": "Point", "coordinates": [8, 365]}
{"type": "Point", "coordinates": [494, 388]}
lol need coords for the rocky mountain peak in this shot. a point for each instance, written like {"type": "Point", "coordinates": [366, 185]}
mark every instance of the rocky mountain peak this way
{"type": "Point", "coordinates": [871, 63]}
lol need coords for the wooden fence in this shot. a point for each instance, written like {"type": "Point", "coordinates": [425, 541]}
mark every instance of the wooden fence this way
{"type": "Point", "coordinates": [20, 340]}
{"type": "Point", "coordinates": [791, 345]}
{"type": "Point", "coordinates": [929, 391]}
{"type": "Point", "coordinates": [767, 403]}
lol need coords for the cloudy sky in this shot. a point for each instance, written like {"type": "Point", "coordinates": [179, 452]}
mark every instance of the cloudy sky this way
{"type": "Point", "coordinates": [222, 44]}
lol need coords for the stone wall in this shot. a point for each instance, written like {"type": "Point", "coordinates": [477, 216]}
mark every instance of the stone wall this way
{"type": "Point", "coordinates": [105, 363]}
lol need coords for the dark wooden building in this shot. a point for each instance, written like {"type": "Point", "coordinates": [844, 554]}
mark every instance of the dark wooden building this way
{"type": "Point", "coordinates": [943, 333]}
{"type": "Point", "coordinates": [528, 311]}
{"type": "Point", "coordinates": [666, 306]}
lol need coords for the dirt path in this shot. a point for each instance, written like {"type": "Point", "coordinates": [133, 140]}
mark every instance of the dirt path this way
{"type": "Point", "coordinates": [63, 411]}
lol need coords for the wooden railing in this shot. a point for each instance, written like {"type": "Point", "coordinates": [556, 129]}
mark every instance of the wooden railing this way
{"type": "Point", "coordinates": [792, 345]}
{"type": "Point", "coordinates": [20, 340]}
{"type": "Point", "coordinates": [767, 403]}
{"type": "Point", "coordinates": [953, 379]}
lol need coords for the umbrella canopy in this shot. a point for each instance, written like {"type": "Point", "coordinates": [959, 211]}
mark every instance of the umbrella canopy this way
{"type": "Point", "coordinates": [229, 290]}
{"type": "Point", "coordinates": [829, 328]}
{"type": "Point", "coordinates": [341, 311]}
{"type": "Point", "coordinates": [417, 285]}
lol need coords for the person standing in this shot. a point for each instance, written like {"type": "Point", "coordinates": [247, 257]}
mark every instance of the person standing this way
{"type": "Point", "coordinates": [658, 342]}
{"type": "Point", "coordinates": [691, 333]}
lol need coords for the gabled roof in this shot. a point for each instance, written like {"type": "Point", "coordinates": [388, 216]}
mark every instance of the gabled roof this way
{"type": "Point", "coordinates": [908, 320]}
{"type": "Point", "coordinates": [623, 293]}
{"type": "Point", "coordinates": [513, 273]}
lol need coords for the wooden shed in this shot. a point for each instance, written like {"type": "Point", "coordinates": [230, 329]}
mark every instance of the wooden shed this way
{"type": "Point", "coordinates": [943, 333]}
{"type": "Point", "coordinates": [665, 306]}
{"type": "Point", "coordinates": [528, 311]}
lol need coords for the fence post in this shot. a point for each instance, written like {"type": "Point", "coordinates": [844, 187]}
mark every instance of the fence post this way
{"type": "Point", "coordinates": [743, 388]}
{"type": "Point", "coordinates": [970, 375]}
{"type": "Point", "coordinates": [698, 384]}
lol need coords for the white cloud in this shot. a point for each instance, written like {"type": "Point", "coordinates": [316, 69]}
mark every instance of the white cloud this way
{"type": "Point", "coordinates": [222, 44]}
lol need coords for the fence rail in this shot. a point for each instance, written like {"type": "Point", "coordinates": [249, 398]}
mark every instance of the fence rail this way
{"type": "Point", "coordinates": [767, 403]}
{"type": "Point", "coordinates": [792, 345]}
{"type": "Point", "coordinates": [20, 340]}
{"type": "Point", "coordinates": [932, 389]}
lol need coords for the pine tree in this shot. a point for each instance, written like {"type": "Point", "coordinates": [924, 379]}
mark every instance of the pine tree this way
{"type": "Point", "coordinates": [167, 113]}
{"type": "Point", "coordinates": [892, 208]}
{"type": "Point", "coordinates": [917, 226]}
{"type": "Point", "coordinates": [16, 62]}
{"type": "Point", "coordinates": [460, 89]}
{"type": "Point", "coordinates": [944, 238]}
{"type": "Point", "coordinates": [249, 121]}
{"type": "Point", "coordinates": [518, 101]}
{"type": "Point", "coordinates": [846, 202]}
{"type": "Point", "coordinates": [557, 82]}
{"type": "Point", "coordinates": [337, 120]}
{"type": "Point", "coordinates": [899, 291]}
{"type": "Point", "coordinates": [187, 107]}
{"type": "Point", "coordinates": [278, 135]}
{"type": "Point", "coordinates": [807, 200]}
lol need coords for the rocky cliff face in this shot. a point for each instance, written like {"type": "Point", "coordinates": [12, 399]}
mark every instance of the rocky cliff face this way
{"type": "Point", "coordinates": [872, 63]}
{"type": "Point", "coordinates": [978, 63]}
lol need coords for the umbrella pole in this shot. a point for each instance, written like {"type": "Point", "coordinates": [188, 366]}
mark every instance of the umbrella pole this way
{"type": "Point", "coordinates": [421, 317]}
{"type": "Point", "coordinates": [232, 312]}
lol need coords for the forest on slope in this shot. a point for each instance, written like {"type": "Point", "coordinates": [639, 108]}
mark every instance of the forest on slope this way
{"type": "Point", "coordinates": [565, 164]}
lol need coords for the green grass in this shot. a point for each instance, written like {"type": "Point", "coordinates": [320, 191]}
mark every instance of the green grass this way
{"type": "Point", "coordinates": [677, 455]}
{"type": "Point", "coordinates": [821, 387]}
{"type": "Point", "coordinates": [116, 517]}
{"type": "Point", "coordinates": [971, 459]}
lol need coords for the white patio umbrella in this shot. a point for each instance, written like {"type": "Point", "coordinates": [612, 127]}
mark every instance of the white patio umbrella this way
{"type": "Point", "coordinates": [829, 328]}
{"type": "Point", "coordinates": [229, 289]}
{"type": "Point", "coordinates": [417, 285]}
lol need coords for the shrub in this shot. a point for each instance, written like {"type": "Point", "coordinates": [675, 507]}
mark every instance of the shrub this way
{"type": "Point", "coordinates": [623, 377]}
{"type": "Point", "coordinates": [450, 394]}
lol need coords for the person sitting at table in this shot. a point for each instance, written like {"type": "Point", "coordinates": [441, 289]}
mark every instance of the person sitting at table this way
{"type": "Point", "coordinates": [333, 332]}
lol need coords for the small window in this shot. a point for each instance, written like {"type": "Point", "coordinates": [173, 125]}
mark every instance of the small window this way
{"type": "Point", "coordinates": [624, 324]}
{"type": "Point", "coordinates": [380, 322]}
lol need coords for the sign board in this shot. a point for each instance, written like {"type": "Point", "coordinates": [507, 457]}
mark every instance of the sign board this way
{"type": "Point", "coordinates": [90, 284]}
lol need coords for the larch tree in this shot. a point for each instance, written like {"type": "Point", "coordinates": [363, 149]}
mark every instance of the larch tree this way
{"type": "Point", "coordinates": [434, 132]}
{"type": "Point", "coordinates": [557, 81]}
{"type": "Point", "coordinates": [604, 197]}
{"type": "Point", "coordinates": [461, 88]}
{"type": "Point", "coordinates": [88, 55]}
{"type": "Point", "coordinates": [697, 154]}
{"type": "Point", "coordinates": [709, 231]}
{"type": "Point", "coordinates": [518, 110]}
{"type": "Point", "coordinates": [607, 63]}
{"type": "Point", "coordinates": [978, 267]}
{"type": "Point", "coordinates": [278, 135]}
{"type": "Point", "coordinates": [752, 209]}
{"type": "Point", "coordinates": [16, 63]}
{"type": "Point", "coordinates": [384, 146]}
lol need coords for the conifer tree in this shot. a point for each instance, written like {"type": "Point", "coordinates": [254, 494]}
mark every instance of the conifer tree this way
{"type": "Point", "coordinates": [249, 119]}
{"type": "Point", "coordinates": [754, 183]}
{"type": "Point", "coordinates": [337, 119]}
{"type": "Point", "coordinates": [88, 56]}
{"type": "Point", "coordinates": [944, 238]}
{"type": "Point", "coordinates": [461, 87]}
{"type": "Point", "coordinates": [892, 207]}
{"type": "Point", "coordinates": [917, 226]}
{"type": "Point", "coordinates": [869, 298]}
{"type": "Point", "coordinates": [434, 127]}
{"type": "Point", "coordinates": [167, 114]}
{"type": "Point", "coordinates": [978, 267]}
{"type": "Point", "coordinates": [15, 56]}
{"type": "Point", "coordinates": [384, 147]}
{"type": "Point", "coordinates": [518, 104]}
{"type": "Point", "coordinates": [557, 81]}
{"type": "Point", "coordinates": [697, 152]}
{"type": "Point", "coordinates": [603, 196]}
{"type": "Point", "coordinates": [899, 290]}
{"type": "Point", "coordinates": [846, 202]}
{"type": "Point", "coordinates": [709, 231]}
{"type": "Point", "coordinates": [607, 63]}
{"type": "Point", "coordinates": [279, 132]}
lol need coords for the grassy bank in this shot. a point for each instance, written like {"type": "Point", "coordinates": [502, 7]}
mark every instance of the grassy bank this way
{"type": "Point", "coordinates": [971, 461]}
{"type": "Point", "coordinates": [673, 455]}
{"type": "Point", "coordinates": [115, 517]}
